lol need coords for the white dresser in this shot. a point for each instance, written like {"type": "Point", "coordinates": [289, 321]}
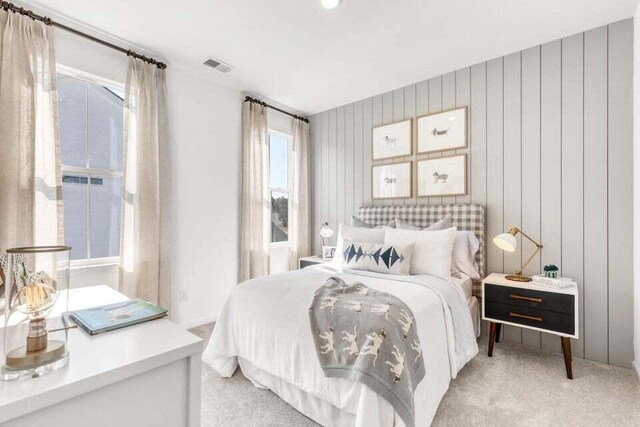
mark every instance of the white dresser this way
{"type": "Point", "coordinates": [144, 375]}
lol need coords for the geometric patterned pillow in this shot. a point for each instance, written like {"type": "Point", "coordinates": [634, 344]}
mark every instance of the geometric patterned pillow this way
{"type": "Point", "coordinates": [390, 259]}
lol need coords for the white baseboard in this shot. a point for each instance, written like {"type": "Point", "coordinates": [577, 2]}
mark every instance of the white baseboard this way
{"type": "Point", "coordinates": [636, 369]}
{"type": "Point", "coordinates": [199, 322]}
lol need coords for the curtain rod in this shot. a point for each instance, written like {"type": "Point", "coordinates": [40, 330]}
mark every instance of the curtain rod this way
{"type": "Point", "coordinates": [10, 7]}
{"type": "Point", "coordinates": [264, 104]}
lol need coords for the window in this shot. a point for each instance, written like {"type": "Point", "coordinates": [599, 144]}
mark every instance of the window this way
{"type": "Point", "coordinates": [91, 140]}
{"type": "Point", "coordinates": [279, 148]}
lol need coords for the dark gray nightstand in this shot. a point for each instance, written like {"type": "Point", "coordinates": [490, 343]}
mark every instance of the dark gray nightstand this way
{"type": "Point", "coordinates": [532, 306]}
{"type": "Point", "coordinates": [311, 260]}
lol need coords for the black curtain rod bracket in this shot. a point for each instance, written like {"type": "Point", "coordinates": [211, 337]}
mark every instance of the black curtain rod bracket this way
{"type": "Point", "coordinates": [264, 104]}
{"type": "Point", "coordinates": [10, 7]}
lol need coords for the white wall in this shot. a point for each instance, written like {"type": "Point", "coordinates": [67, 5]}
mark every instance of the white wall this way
{"type": "Point", "coordinates": [636, 189]}
{"type": "Point", "coordinates": [206, 180]}
{"type": "Point", "coordinates": [205, 147]}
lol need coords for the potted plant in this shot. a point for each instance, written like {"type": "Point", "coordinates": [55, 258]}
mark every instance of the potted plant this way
{"type": "Point", "coordinates": [551, 271]}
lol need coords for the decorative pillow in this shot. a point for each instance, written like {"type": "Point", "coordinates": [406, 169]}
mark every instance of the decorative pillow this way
{"type": "Point", "coordinates": [432, 252]}
{"type": "Point", "coordinates": [441, 224]}
{"type": "Point", "coordinates": [465, 247]}
{"type": "Point", "coordinates": [357, 222]}
{"type": "Point", "coordinates": [356, 234]}
{"type": "Point", "coordinates": [390, 259]}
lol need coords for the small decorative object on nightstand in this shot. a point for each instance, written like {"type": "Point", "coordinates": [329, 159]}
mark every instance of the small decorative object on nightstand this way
{"type": "Point", "coordinates": [551, 271]}
{"type": "Point", "coordinates": [312, 260]}
{"type": "Point", "coordinates": [37, 278]}
{"type": "Point", "coordinates": [328, 252]}
{"type": "Point", "coordinates": [325, 233]}
{"type": "Point", "coordinates": [532, 306]}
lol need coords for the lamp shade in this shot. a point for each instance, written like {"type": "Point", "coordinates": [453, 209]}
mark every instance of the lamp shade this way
{"type": "Point", "coordinates": [506, 242]}
{"type": "Point", "coordinates": [330, 4]}
{"type": "Point", "coordinates": [326, 231]}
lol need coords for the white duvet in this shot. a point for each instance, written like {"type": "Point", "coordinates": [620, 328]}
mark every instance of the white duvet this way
{"type": "Point", "coordinates": [265, 325]}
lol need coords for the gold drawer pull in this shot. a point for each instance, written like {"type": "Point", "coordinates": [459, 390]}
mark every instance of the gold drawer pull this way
{"type": "Point", "coordinates": [520, 297]}
{"type": "Point", "coordinates": [522, 316]}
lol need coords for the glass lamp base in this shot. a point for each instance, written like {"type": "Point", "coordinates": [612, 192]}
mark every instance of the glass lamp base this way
{"type": "Point", "coordinates": [12, 374]}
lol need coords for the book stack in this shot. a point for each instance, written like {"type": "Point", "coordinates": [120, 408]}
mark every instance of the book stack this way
{"type": "Point", "coordinates": [115, 316]}
{"type": "Point", "coordinates": [557, 282]}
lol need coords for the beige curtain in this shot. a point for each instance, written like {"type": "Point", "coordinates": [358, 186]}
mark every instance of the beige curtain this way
{"type": "Point", "coordinates": [30, 181]}
{"type": "Point", "coordinates": [144, 256]}
{"type": "Point", "coordinates": [299, 235]}
{"type": "Point", "coordinates": [256, 200]}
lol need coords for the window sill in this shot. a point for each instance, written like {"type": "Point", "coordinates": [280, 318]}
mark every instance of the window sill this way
{"type": "Point", "coordinates": [79, 264]}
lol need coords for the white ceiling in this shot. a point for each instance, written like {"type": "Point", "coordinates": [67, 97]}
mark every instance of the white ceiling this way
{"type": "Point", "coordinates": [312, 59]}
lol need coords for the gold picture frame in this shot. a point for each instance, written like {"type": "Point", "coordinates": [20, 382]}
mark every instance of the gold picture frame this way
{"type": "Point", "coordinates": [446, 162]}
{"type": "Point", "coordinates": [436, 122]}
{"type": "Point", "coordinates": [398, 130]}
{"type": "Point", "coordinates": [409, 180]}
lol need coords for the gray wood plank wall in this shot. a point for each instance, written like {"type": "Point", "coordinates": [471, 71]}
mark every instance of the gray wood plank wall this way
{"type": "Point", "coordinates": [550, 134]}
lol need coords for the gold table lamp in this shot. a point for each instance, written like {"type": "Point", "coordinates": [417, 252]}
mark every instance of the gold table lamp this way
{"type": "Point", "coordinates": [508, 243]}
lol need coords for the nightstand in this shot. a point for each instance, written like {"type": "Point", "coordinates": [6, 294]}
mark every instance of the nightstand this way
{"type": "Point", "coordinates": [531, 306]}
{"type": "Point", "coordinates": [312, 260]}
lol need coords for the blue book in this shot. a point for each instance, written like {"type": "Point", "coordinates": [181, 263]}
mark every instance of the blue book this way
{"type": "Point", "coordinates": [110, 317]}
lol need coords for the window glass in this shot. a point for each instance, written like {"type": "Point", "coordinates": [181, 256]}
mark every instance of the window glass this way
{"type": "Point", "coordinates": [91, 139]}
{"type": "Point", "coordinates": [279, 147]}
{"type": "Point", "coordinates": [72, 113]}
{"type": "Point", "coordinates": [75, 199]}
{"type": "Point", "coordinates": [279, 217]}
{"type": "Point", "coordinates": [105, 196]}
{"type": "Point", "coordinates": [279, 161]}
{"type": "Point", "coordinates": [105, 128]}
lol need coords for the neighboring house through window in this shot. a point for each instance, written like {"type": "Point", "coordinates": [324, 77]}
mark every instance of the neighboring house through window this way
{"type": "Point", "coordinates": [279, 156]}
{"type": "Point", "coordinates": [91, 140]}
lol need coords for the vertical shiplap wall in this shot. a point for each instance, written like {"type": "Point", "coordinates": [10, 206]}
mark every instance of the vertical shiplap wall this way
{"type": "Point", "coordinates": [550, 151]}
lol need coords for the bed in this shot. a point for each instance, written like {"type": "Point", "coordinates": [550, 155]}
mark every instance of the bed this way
{"type": "Point", "coordinates": [264, 329]}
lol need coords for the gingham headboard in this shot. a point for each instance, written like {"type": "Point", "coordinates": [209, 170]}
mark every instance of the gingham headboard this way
{"type": "Point", "coordinates": [464, 217]}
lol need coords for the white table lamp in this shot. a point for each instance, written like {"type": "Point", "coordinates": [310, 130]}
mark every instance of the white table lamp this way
{"type": "Point", "coordinates": [508, 243]}
{"type": "Point", "coordinates": [325, 231]}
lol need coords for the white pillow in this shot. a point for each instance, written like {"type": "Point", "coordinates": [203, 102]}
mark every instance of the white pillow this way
{"type": "Point", "coordinates": [405, 225]}
{"type": "Point", "coordinates": [441, 224]}
{"type": "Point", "coordinates": [465, 247]}
{"type": "Point", "coordinates": [432, 252]}
{"type": "Point", "coordinates": [355, 234]}
{"type": "Point", "coordinates": [357, 222]}
{"type": "Point", "coordinates": [390, 259]}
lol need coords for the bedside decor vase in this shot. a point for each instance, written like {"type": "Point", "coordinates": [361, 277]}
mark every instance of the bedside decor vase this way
{"type": "Point", "coordinates": [36, 281]}
{"type": "Point", "coordinates": [551, 271]}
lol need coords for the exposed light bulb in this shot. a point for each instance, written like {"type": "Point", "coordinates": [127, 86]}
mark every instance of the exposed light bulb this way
{"type": "Point", "coordinates": [330, 4]}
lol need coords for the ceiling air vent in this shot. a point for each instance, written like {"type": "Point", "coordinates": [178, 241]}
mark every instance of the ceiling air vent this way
{"type": "Point", "coordinates": [218, 65]}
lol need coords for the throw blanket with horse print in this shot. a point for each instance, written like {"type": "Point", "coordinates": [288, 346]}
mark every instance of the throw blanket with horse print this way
{"type": "Point", "coordinates": [370, 337]}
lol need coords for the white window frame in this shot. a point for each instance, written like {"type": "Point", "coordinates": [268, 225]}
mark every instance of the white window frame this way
{"type": "Point", "coordinates": [287, 190]}
{"type": "Point", "coordinates": [89, 172]}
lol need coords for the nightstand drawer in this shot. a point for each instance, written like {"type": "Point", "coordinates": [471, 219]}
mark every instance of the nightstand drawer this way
{"type": "Point", "coordinates": [549, 301]}
{"type": "Point", "coordinates": [549, 320]}
{"type": "Point", "coordinates": [305, 263]}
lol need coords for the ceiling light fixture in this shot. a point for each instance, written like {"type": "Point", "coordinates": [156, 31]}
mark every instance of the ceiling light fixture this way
{"type": "Point", "coordinates": [330, 4]}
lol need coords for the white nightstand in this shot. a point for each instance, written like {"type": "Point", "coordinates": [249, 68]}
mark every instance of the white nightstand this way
{"type": "Point", "coordinates": [531, 306]}
{"type": "Point", "coordinates": [157, 358]}
{"type": "Point", "coordinates": [312, 260]}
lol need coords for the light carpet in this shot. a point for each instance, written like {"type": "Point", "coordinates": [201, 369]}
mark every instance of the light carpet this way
{"type": "Point", "coordinates": [518, 386]}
